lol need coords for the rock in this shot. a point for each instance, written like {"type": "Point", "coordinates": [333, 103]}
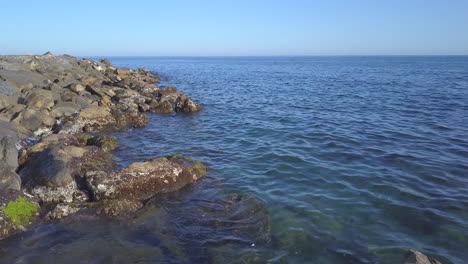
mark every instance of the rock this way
{"type": "Point", "coordinates": [9, 152]}
{"type": "Point", "coordinates": [169, 100]}
{"type": "Point", "coordinates": [123, 72]}
{"type": "Point", "coordinates": [8, 160]}
{"type": "Point", "coordinates": [17, 212]}
{"type": "Point", "coordinates": [41, 99]}
{"type": "Point", "coordinates": [7, 101]}
{"type": "Point", "coordinates": [107, 143]}
{"type": "Point", "coordinates": [68, 96]}
{"type": "Point", "coordinates": [143, 180]}
{"type": "Point", "coordinates": [55, 174]}
{"type": "Point", "coordinates": [415, 257]}
{"type": "Point", "coordinates": [77, 140]}
{"type": "Point", "coordinates": [48, 54]}
{"type": "Point", "coordinates": [11, 112]}
{"type": "Point", "coordinates": [9, 179]}
{"type": "Point", "coordinates": [7, 89]}
{"type": "Point", "coordinates": [61, 211]}
{"type": "Point", "coordinates": [22, 79]}
{"type": "Point", "coordinates": [77, 88]}
{"type": "Point", "coordinates": [184, 104]}
{"type": "Point", "coordinates": [91, 81]}
{"type": "Point", "coordinates": [52, 167]}
{"type": "Point", "coordinates": [69, 171]}
{"type": "Point", "coordinates": [8, 129]}
{"type": "Point", "coordinates": [106, 62]}
{"type": "Point", "coordinates": [33, 120]}
{"type": "Point", "coordinates": [65, 109]}
{"type": "Point", "coordinates": [95, 113]}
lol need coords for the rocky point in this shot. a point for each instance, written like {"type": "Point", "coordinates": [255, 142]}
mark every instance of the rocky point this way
{"type": "Point", "coordinates": [50, 167]}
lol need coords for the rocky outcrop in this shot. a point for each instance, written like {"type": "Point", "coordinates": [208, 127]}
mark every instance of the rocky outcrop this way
{"type": "Point", "coordinates": [142, 180]}
{"type": "Point", "coordinates": [51, 101]}
{"type": "Point", "coordinates": [69, 95]}
{"type": "Point", "coordinates": [415, 257]}
{"type": "Point", "coordinates": [78, 174]}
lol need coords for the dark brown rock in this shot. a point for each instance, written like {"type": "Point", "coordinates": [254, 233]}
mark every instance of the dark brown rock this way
{"type": "Point", "coordinates": [143, 180]}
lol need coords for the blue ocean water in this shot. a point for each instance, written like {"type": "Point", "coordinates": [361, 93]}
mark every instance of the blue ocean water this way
{"type": "Point", "coordinates": [353, 160]}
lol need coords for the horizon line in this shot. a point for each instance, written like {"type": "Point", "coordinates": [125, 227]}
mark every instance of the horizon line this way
{"type": "Point", "coordinates": [343, 55]}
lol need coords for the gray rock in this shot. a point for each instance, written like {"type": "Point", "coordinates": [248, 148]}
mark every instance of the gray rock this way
{"type": "Point", "coordinates": [40, 98]}
{"type": "Point", "coordinates": [8, 157]}
{"type": "Point", "coordinates": [7, 89]}
{"type": "Point", "coordinates": [7, 101]}
{"type": "Point", "coordinates": [32, 119]}
{"type": "Point", "coordinates": [7, 129]}
{"type": "Point", "coordinates": [9, 179]}
{"type": "Point", "coordinates": [415, 257]}
{"type": "Point", "coordinates": [11, 112]}
{"type": "Point", "coordinates": [53, 174]}
{"type": "Point", "coordinates": [77, 88]}
{"type": "Point", "coordinates": [22, 79]}
{"type": "Point", "coordinates": [51, 167]}
{"type": "Point", "coordinates": [106, 62]}
{"type": "Point", "coordinates": [9, 152]}
{"type": "Point", "coordinates": [65, 109]}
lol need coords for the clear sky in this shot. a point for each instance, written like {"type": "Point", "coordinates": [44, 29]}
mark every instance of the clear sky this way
{"type": "Point", "coordinates": [237, 27]}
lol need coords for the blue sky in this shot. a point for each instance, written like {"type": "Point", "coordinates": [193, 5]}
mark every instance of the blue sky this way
{"type": "Point", "coordinates": [217, 28]}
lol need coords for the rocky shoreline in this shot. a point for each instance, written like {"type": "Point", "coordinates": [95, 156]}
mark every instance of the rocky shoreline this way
{"type": "Point", "coordinates": [54, 160]}
{"type": "Point", "coordinates": [50, 167]}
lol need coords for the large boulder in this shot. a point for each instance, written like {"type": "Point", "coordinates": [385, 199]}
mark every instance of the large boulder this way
{"type": "Point", "coordinates": [143, 180]}
{"type": "Point", "coordinates": [7, 88]}
{"type": "Point", "coordinates": [415, 257]}
{"type": "Point", "coordinates": [169, 100]}
{"type": "Point", "coordinates": [101, 118]}
{"type": "Point", "coordinates": [65, 109]}
{"type": "Point", "coordinates": [22, 79]}
{"type": "Point", "coordinates": [105, 142]}
{"type": "Point", "coordinates": [33, 120]}
{"type": "Point", "coordinates": [7, 101]}
{"type": "Point", "coordinates": [8, 157]}
{"type": "Point", "coordinates": [55, 174]}
{"type": "Point", "coordinates": [41, 99]}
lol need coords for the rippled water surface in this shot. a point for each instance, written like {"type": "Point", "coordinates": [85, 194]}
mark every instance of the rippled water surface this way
{"type": "Point", "coordinates": [331, 159]}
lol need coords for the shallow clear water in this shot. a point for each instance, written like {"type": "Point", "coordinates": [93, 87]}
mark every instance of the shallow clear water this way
{"type": "Point", "coordinates": [336, 160]}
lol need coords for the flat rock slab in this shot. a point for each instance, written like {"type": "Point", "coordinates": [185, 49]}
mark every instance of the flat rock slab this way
{"type": "Point", "coordinates": [7, 88]}
{"type": "Point", "coordinates": [143, 180]}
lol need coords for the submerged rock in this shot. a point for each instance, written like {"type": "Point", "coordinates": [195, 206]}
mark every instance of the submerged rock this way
{"type": "Point", "coordinates": [415, 257]}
